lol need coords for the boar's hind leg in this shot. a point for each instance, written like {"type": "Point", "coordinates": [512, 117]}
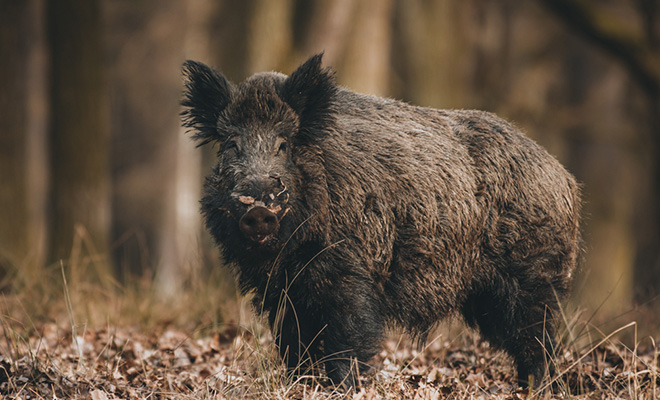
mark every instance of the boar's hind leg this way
{"type": "Point", "coordinates": [515, 314]}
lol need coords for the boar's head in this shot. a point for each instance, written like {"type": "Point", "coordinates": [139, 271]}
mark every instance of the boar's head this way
{"type": "Point", "coordinates": [269, 181]}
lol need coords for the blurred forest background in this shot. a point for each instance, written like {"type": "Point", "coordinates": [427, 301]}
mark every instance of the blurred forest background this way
{"type": "Point", "coordinates": [93, 160]}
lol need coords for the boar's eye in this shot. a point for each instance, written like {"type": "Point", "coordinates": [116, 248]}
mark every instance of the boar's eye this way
{"type": "Point", "coordinates": [230, 147]}
{"type": "Point", "coordinates": [281, 149]}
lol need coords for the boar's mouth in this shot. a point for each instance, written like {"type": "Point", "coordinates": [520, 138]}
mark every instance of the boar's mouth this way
{"type": "Point", "coordinates": [260, 223]}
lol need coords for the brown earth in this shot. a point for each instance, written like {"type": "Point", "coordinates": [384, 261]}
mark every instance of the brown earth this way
{"type": "Point", "coordinates": [237, 363]}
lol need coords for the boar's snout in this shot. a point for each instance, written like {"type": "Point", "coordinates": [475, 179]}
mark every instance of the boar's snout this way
{"type": "Point", "coordinates": [258, 224]}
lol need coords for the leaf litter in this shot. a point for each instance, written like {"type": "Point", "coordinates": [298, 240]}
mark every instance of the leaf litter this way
{"type": "Point", "coordinates": [167, 363]}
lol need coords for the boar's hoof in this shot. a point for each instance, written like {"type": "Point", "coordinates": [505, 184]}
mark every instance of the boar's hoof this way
{"type": "Point", "coordinates": [258, 224]}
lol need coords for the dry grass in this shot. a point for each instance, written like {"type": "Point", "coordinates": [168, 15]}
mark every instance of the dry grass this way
{"type": "Point", "coordinates": [73, 332]}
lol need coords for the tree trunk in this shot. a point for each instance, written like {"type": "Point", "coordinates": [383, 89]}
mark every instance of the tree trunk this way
{"type": "Point", "coordinates": [647, 262]}
{"type": "Point", "coordinates": [79, 200]}
{"type": "Point", "coordinates": [366, 65]}
{"type": "Point", "coordinates": [145, 49]}
{"type": "Point", "coordinates": [638, 53]}
{"type": "Point", "coordinates": [231, 56]}
{"type": "Point", "coordinates": [22, 135]}
{"type": "Point", "coordinates": [430, 53]}
{"type": "Point", "coordinates": [15, 32]}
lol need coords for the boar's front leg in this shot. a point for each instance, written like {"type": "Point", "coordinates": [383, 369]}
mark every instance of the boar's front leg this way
{"type": "Point", "coordinates": [354, 329]}
{"type": "Point", "coordinates": [297, 340]}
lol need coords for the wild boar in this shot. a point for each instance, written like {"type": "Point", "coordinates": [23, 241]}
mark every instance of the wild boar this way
{"type": "Point", "coordinates": [345, 214]}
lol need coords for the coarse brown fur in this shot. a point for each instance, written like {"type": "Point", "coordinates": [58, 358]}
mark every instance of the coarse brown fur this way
{"type": "Point", "coordinates": [381, 214]}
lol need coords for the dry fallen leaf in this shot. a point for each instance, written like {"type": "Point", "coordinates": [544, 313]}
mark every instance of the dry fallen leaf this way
{"type": "Point", "coordinates": [125, 363]}
{"type": "Point", "coordinates": [98, 395]}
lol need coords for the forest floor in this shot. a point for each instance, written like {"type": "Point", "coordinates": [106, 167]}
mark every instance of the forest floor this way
{"type": "Point", "coordinates": [54, 362]}
{"type": "Point", "coordinates": [74, 339]}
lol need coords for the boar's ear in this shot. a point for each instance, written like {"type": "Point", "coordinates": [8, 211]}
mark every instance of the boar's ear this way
{"type": "Point", "coordinates": [207, 93]}
{"type": "Point", "coordinates": [310, 91]}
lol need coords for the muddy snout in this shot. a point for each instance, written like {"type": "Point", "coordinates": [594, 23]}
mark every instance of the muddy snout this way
{"type": "Point", "coordinates": [261, 220]}
{"type": "Point", "coordinates": [258, 224]}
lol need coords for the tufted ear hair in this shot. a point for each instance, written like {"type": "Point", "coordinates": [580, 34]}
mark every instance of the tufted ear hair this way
{"type": "Point", "coordinates": [207, 92]}
{"type": "Point", "coordinates": [310, 92]}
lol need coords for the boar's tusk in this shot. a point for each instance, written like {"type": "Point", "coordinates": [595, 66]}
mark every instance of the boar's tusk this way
{"type": "Point", "coordinates": [246, 199]}
{"type": "Point", "coordinates": [286, 210]}
{"type": "Point", "coordinates": [275, 209]}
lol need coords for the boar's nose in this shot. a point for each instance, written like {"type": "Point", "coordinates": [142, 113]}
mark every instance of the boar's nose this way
{"type": "Point", "coordinates": [258, 224]}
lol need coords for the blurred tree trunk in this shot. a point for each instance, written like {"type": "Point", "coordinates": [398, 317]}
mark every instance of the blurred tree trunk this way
{"type": "Point", "coordinates": [16, 30]}
{"type": "Point", "coordinates": [637, 50]}
{"type": "Point", "coordinates": [145, 49]}
{"type": "Point", "coordinates": [80, 194]}
{"type": "Point", "coordinates": [181, 245]}
{"type": "Point", "coordinates": [229, 37]}
{"type": "Point", "coordinates": [269, 35]}
{"type": "Point", "coordinates": [647, 263]}
{"type": "Point", "coordinates": [366, 66]}
{"type": "Point", "coordinates": [355, 37]}
{"type": "Point", "coordinates": [647, 271]}
{"type": "Point", "coordinates": [323, 25]}
{"type": "Point", "coordinates": [429, 53]}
